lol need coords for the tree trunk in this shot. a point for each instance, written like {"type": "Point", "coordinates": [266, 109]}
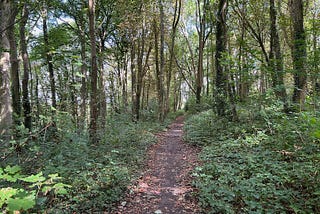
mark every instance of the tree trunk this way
{"type": "Point", "coordinates": [15, 81]}
{"type": "Point", "coordinates": [275, 57]}
{"type": "Point", "coordinates": [102, 93]}
{"type": "Point", "coordinates": [5, 98]}
{"type": "Point", "coordinates": [74, 102]}
{"type": "Point", "coordinates": [221, 43]}
{"type": "Point", "coordinates": [162, 109]}
{"type": "Point", "coordinates": [36, 94]}
{"type": "Point", "coordinates": [135, 111]}
{"type": "Point", "coordinates": [159, 79]}
{"type": "Point", "coordinates": [124, 84]}
{"type": "Point", "coordinates": [25, 57]}
{"type": "Point", "coordinates": [176, 18]}
{"type": "Point", "coordinates": [49, 59]}
{"type": "Point", "coordinates": [201, 41]}
{"type": "Point", "coordinates": [83, 89]}
{"type": "Point", "coordinates": [299, 53]}
{"type": "Point", "coordinates": [94, 75]}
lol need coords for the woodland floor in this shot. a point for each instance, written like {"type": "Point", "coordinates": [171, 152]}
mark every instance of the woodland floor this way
{"type": "Point", "coordinates": [165, 184]}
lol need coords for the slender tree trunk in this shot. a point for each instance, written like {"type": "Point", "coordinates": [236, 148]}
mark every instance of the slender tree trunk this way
{"type": "Point", "coordinates": [102, 93]}
{"type": "Point", "coordinates": [201, 41]}
{"type": "Point", "coordinates": [15, 81]}
{"type": "Point", "coordinates": [175, 22]}
{"type": "Point", "coordinates": [207, 76]}
{"type": "Point", "coordinates": [24, 53]}
{"type": "Point", "coordinates": [161, 70]}
{"type": "Point", "coordinates": [143, 101]}
{"type": "Point", "coordinates": [199, 79]}
{"type": "Point", "coordinates": [124, 84]}
{"type": "Point", "coordinates": [133, 83]}
{"type": "Point", "coordinates": [36, 94]}
{"type": "Point", "coordinates": [83, 89]}
{"type": "Point", "coordinates": [5, 98]}
{"type": "Point", "coordinates": [140, 53]}
{"type": "Point", "coordinates": [94, 75]}
{"type": "Point", "coordinates": [221, 44]}
{"type": "Point", "coordinates": [74, 102]}
{"type": "Point", "coordinates": [159, 79]}
{"type": "Point", "coordinates": [299, 53]}
{"type": "Point", "coordinates": [49, 58]}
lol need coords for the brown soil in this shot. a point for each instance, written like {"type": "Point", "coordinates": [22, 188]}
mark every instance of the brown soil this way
{"type": "Point", "coordinates": [165, 186]}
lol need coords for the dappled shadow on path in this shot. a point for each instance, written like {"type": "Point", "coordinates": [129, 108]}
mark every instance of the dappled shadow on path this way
{"type": "Point", "coordinates": [165, 185]}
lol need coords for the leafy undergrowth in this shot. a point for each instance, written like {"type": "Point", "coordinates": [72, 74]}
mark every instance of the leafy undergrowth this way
{"type": "Point", "coordinates": [269, 162]}
{"type": "Point", "coordinates": [96, 175]}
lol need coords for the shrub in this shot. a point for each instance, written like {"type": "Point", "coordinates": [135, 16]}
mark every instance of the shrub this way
{"type": "Point", "coordinates": [265, 164]}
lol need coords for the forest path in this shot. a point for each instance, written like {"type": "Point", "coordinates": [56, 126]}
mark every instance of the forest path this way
{"type": "Point", "coordinates": [165, 185]}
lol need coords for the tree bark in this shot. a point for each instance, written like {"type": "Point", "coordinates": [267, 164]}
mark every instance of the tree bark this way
{"type": "Point", "coordinates": [176, 18]}
{"type": "Point", "coordinates": [124, 84]}
{"type": "Point", "coordinates": [83, 89]}
{"type": "Point", "coordinates": [102, 93]}
{"type": "Point", "coordinates": [15, 81]}
{"type": "Point", "coordinates": [94, 75]}
{"type": "Point", "coordinates": [25, 57]}
{"type": "Point", "coordinates": [5, 98]}
{"type": "Point", "coordinates": [161, 95]}
{"type": "Point", "coordinates": [221, 43]}
{"type": "Point", "coordinates": [299, 53]}
{"type": "Point", "coordinates": [159, 81]}
{"type": "Point", "coordinates": [275, 57]}
{"type": "Point", "coordinates": [135, 111]}
{"type": "Point", "coordinates": [201, 41]}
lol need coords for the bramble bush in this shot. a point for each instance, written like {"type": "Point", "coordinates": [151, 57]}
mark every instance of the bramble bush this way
{"type": "Point", "coordinates": [266, 163]}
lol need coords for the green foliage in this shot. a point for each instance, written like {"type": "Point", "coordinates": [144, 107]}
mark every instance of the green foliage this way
{"type": "Point", "coordinates": [193, 107]}
{"type": "Point", "coordinates": [21, 193]}
{"type": "Point", "coordinates": [267, 163]}
{"type": "Point", "coordinates": [98, 174]}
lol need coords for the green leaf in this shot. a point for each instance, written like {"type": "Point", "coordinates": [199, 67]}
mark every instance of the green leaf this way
{"type": "Point", "coordinates": [54, 176]}
{"type": "Point", "coordinates": [24, 203]}
{"type": "Point", "coordinates": [34, 178]}
{"type": "Point", "coordinates": [10, 178]}
{"type": "Point", "coordinates": [60, 188]}
{"type": "Point", "coordinates": [6, 193]}
{"type": "Point", "coordinates": [12, 170]}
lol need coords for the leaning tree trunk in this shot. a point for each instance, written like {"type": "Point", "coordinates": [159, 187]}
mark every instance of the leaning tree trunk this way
{"type": "Point", "coordinates": [94, 76]}
{"type": "Point", "coordinates": [221, 43]}
{"type": "Point", "coordinates": [5, 98]}
{"type": "Point", "coordinates": [24, 53]}
{"type": "Point", "coordinates": [299, 53]}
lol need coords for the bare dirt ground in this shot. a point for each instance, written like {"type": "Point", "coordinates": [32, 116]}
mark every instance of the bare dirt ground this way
{"type": "Point", "coordinates": [165, 185]}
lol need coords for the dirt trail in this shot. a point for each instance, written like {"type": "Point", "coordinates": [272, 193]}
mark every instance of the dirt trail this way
{"type": "Point", "coordinates": [165, 187]}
